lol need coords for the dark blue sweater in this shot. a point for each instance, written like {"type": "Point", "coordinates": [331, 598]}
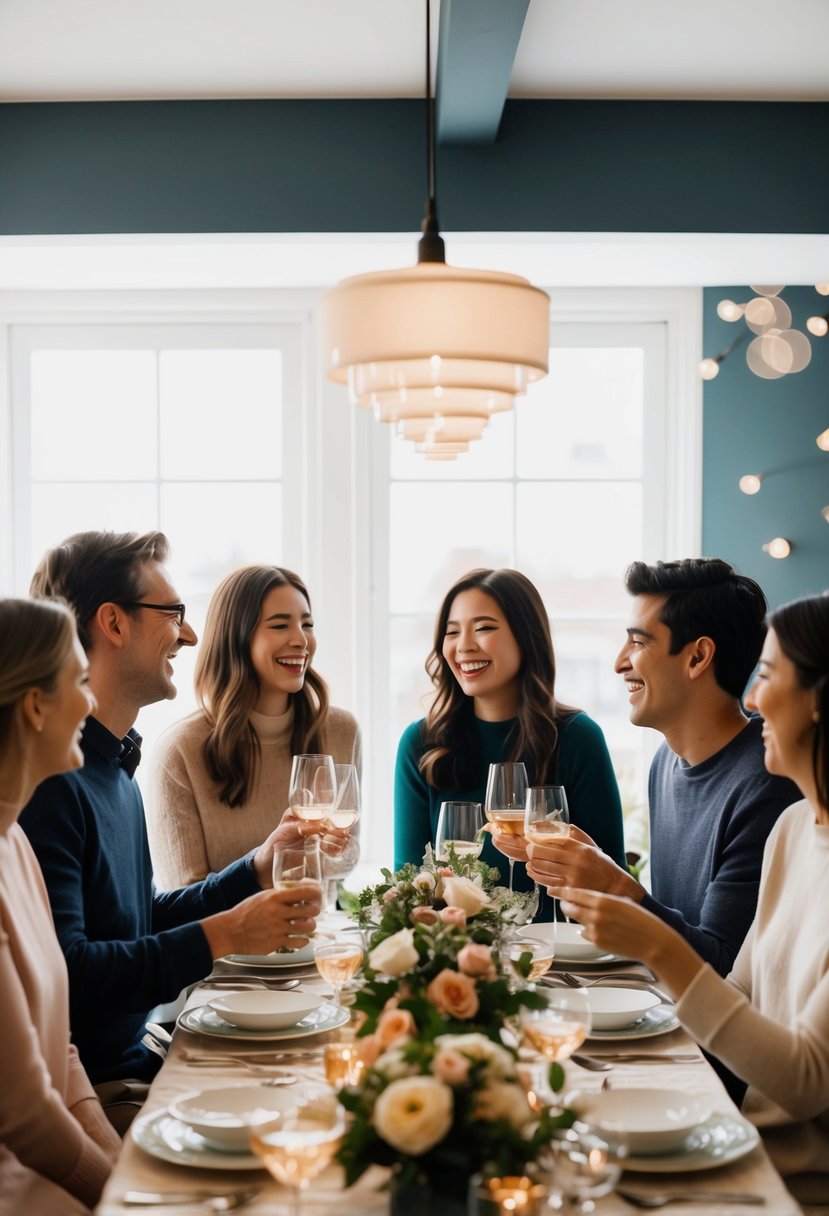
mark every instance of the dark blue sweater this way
{"type": "Point", "coordinates": [127, 948]}
{"type": "Point", "coordinates": [709, 824]}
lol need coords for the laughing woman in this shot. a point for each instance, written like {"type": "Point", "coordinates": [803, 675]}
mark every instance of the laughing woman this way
{"type": "Point", "coordinates": [493, 669]}
{"type": "Point", "coordinates": [56, 1146]}
{"type": "Point", "coordinates": [769, 1020]}
{"type": "Point", "coordinates": [220, 781]}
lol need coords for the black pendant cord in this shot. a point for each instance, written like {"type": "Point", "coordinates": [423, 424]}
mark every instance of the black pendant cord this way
{"type": "Point", "coordinates": [430, 247]}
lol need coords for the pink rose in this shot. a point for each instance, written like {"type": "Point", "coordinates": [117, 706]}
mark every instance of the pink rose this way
{"type": "Point", "coordinates": [390, 895]}
{"type": "Point", "coordinates": [423, 916]}
{"type": "Point", "coordinates": [450, 1066]}
{"type": "Point", "coordinates": [476, 959]}
{"type": "Point", "coordinates": [454, 994]}
{"type": "Point", "coordinates": [368, 1049]}
{"type": "Point", "coordinates": [393, 1025]}
{"type": "Point", "coordinates": [445, 871]}
{"type": "Point", "coordinates": [453, 916]}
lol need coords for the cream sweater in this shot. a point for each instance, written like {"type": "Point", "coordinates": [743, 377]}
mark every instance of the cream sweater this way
{"type": "Point", "coordinates": [192, 833]}
{"type": "Point", "coordinates": [41, 1077]}
{"type": "Point", "coordinates": [769, 1020]}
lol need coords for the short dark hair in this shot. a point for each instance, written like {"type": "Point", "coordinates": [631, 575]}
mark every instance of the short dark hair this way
{"type": "Point", "coordinates": [705, 597]}
{"type": "Point", "coordinates": [802, 628]}
{"type": "Point", "coordinates": [93, 568]}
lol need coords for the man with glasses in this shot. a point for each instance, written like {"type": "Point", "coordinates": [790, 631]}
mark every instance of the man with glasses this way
{"type": "Point", "coordinates": [129, 948]}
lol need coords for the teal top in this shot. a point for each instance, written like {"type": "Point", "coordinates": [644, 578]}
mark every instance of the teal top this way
{"type": "Point", "coordinates": [585, 771]}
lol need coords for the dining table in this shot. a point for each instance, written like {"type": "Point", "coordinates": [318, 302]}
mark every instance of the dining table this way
{"type": "Point", "coordinates": [642, 1060]}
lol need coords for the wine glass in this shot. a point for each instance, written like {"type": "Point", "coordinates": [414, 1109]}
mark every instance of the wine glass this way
{"type": "Point", "coordinates": [560, 1026]}
{"type": "Point", "coordinates": [546, 816]}
{"type": "Point", "coordinates": [298, 863]}
{"type": "Point", "coordinates": [460, 826]}
{"type": "Point", "coordinates": [338, 962]}
{"type": "Point", "coordinates": [313, 786]}
{"type": "Point", "coordinates": [343, 816]}
{"type": "Point", "coordinates": [300, 1143]}
{"type": "Point", "coordinates": [542, 956]}
{"type": "Point", "coordinates": [506, 796]}
{"type": "Point", "coordinates": [585, 1167]}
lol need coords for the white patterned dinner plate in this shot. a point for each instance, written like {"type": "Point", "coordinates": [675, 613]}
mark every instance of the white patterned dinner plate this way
{"type": "Point", "coordinates": [163, 1136]}
{"type": "Point", "coordinates": [718, 1141]}
{"type": "Point", "coordinates": [660, 1020]}
{"type": "Point", "coordinates": [201, 1019]}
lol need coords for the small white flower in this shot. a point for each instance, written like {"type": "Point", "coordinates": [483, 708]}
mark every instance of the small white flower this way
{"type": "Point", "coordinates": [424, 881]}
{"type": "Point", "coordinates": [395, 955]}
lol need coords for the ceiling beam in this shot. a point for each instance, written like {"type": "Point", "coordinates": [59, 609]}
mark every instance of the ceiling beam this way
{"type": "Point", "coordinates": [476, 49]}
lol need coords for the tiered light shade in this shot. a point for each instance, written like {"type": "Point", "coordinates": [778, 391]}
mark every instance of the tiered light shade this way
{"type": "Point", "coordinates": [436, 348]}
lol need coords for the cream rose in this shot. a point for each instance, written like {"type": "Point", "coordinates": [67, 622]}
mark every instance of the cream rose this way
{"type": "Point", "coordinates": [500, 1100]}
{"type": "Point", "coordinates": [479, 1047]}
{"type": "Point", "coordinates": [395, 955]}
{"type": "Point", "coordinates": [394, 1024]}
{"type": "Point", "coordinates": [454, 994]}
{"type": "Point", "coordinates": [414, 1114]}
{"type": "Point", "coordinates": [424, 881]}
{"type": "Point", "coordinates": [476, 959]}
{"type": "Point", "coordinates": [463, 893]}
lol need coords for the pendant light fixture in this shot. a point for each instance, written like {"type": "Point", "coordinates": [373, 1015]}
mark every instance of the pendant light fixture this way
{"type": "Point", "coordinates": [436, 349]}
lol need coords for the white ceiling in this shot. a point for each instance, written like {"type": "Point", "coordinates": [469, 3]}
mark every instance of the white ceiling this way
{"type": "Point", "coordinates": [56, 50]}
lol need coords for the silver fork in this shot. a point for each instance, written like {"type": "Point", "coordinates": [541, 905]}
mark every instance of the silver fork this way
{"type": "Point", "coordinates": [661, 1199]}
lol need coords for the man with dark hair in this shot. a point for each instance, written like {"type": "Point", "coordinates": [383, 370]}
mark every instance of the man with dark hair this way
{"type": "Point", "coordinates": [127, 947]}
{"type": "Point", "coordinates": [695, 634]}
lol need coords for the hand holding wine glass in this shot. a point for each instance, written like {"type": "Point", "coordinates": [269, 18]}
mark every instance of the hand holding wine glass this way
{"type": "Point", "coordinates": [312, 788]}
{"type": "Point", "coordinates": [460, 825]}
{"type": "Point", "coordinates": [506, 796]}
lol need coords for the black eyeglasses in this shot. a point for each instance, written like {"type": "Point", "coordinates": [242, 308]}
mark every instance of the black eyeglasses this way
{"type": "Point", "coordinates": [178, 609]}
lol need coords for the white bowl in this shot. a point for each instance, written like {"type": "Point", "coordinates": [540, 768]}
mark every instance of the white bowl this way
{"type": "Point", "coordinates": [223, 1116]}
{"type": "Point", "coordinates": [653, 1120]}
{"type": "Point", "coordinates": [264, 1009]}
{"type": "Point", "coordinates": [567, 938]}
{"type": "Point", "coordinates": [616, 1008]}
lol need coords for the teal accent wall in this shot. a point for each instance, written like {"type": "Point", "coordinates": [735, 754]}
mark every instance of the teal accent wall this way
{"type": "Point", "coordinates": [752, 425]}
{"type": "Point", "coordinates": [359, 166]}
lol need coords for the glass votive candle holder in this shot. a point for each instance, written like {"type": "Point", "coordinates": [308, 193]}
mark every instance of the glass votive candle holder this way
{"type": "Point", "coordinates": [343, 1063]}
{"type": "Point", "coordinates": [503, 1195]}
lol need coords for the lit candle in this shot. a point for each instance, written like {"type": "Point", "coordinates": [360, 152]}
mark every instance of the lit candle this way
{"type": "Point", "coordinates": [343, 1064]}
{"type": "Point", "coordinates": [516, 1193]}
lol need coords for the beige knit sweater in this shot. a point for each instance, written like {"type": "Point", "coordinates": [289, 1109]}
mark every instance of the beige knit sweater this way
{"type": "Point", "coordinates": [192, 833]}
{"type": "Point", "coordinates": [41, 1077]}
{"type": "Point", "coordinates": [769, 1020]}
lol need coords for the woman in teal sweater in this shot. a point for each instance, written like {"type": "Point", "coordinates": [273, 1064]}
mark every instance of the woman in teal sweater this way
{"type": "Point", "coordinates": [493, 669]}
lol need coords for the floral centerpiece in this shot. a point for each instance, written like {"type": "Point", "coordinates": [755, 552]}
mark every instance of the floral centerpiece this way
{"type": "Point", "coordinates": [441, 1096]}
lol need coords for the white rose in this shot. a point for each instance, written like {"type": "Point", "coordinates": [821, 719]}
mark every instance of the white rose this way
{"type": "Point", "coordinates": [414, 1114]}
{"type": "Point", "coordinates": [392, 1063]}
{"type": "Point", "coordinates": [396, 955]}
{"type": "Point", "coordinates": [479, 1047]}
{"type": "Point", "coordinates": [424, 881]}
{"type": "Point", "coordinates": [462, 892]}
{"type": "Point", "coordinates": [500, 1100]}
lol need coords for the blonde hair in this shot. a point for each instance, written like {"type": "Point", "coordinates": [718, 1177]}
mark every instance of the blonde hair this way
{"type": "Point", "coordinates": [35, 640]}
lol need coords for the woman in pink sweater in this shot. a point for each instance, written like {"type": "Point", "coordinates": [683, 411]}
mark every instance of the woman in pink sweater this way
{"type": "Point", "coordinates": [54, 1136]}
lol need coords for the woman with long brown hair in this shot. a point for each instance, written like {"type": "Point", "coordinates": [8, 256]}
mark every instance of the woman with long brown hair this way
{"type": "Point", "coordinates": [51, 1120]}
{"type": "Point", "coordinates": [221, 776]}
{"type": "Point", "coordinates": [493, 669]}
{"type": "Point", "coordinates": [768, 1019]}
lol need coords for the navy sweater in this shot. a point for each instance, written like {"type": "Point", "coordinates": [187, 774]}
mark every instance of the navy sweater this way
{"type": "Point", "coordinates": [127, 948]}
{"type": "Point", "coordinates": [709, 824]}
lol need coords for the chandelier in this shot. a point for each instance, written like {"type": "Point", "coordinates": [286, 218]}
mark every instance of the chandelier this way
{"type": "Point", "coordinates": [433, 348]}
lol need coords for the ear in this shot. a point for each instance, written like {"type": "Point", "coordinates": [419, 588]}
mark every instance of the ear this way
{"type": "Point", "coordinates": [32, 709]}
{"type": "Point", "coordinates": [701, 657]}
{"type": "Point", "coordinates": [111, 623]}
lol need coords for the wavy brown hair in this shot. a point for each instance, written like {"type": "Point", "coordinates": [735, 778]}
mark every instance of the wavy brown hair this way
{"type": "Point", "coordinates": [227, 685]}
{"type": "Point", "coordinates": [802, 628]}
{"type": "Point", "coordinates": [35, 642]}
{"type": "Point", "coordinates": [452, 754]}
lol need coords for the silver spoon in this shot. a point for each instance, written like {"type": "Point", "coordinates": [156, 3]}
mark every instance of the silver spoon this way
{"type": "Point", "coordinates": [210, 1199]}
{"type": "Point", "coordinates": [591, 1063]}
{"type": "Point", "coordinates": [249, 981]}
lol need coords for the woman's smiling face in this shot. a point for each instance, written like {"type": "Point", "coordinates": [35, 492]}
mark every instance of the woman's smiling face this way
{"type": "Point", "coordinates": [480, 647]}
{"type": "Point", "coordinates": [786, 709]}
{"type": "Point", "coordinates": [282, 647]}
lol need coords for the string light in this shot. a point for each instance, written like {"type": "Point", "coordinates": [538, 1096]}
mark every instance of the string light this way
{"type": "Point", "coordinates": [779, 547]}
{"type": "Point", "coordinates": [750, 483]}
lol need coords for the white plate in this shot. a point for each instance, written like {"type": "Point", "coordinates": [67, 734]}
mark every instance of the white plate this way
{"type": "Point", "coordinates": [567, 938]}
{"type": "Point", "coordinates": [617, 1008]}
{"type": "Point", "coordinates": [656, 1120]}
{"type": "Point", "coordinates": [660, 1020]}
{"type": "Point", "coordinates": [163, 1136]}
{"type": "Point", "coordinates": [719, 1141]}
{"type": "Point", "coordinates": [223, 1116]}
{"type": "Point", "coordinates": [203, 1020]}
{"type": "Point", "coordinates": [269, 962]}
{"type": "Point", "coordinates": [263, 1009]}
